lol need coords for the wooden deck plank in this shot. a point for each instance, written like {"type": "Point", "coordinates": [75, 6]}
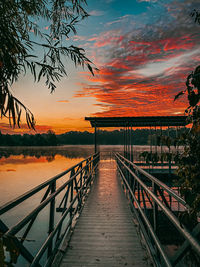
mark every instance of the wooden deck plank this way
{"type": "Point", "coordinates": [105, 234]}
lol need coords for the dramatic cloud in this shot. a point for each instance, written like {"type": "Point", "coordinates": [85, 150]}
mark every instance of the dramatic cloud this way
{"type": "Point", "coordinates": [78, 38]}
{"type": "Point", "coordinates": [153, 1]}
{"type": "Point", "coordinates": [119, 20]}
{"type": "Point", "coordinates": [150, 1]}
{"type": "Point", "coordinates": [63, 101]}
{"type": "Point", "coordinates": [97, 13]}
{"type": "Point", "coordinates": [142, 69]}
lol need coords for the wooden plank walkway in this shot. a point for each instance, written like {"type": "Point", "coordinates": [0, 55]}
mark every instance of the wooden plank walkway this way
{"type": "Point", "coordinates": [105, 234]}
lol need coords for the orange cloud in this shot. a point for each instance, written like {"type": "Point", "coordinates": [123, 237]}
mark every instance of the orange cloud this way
{"type": "Point", "coordinates": [63, 101]}
{"type": "Point", "coordinates": [121, 90]}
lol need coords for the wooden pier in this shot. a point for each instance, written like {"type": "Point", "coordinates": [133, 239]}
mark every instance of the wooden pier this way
{"type": "Point", "coordinates": [105, 234]}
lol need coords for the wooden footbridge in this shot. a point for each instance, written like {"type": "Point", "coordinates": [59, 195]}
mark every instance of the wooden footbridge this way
{"type": "Point", "coordinates": [107, 212]}
{"type": "Point", "coordinates": [105, 234]}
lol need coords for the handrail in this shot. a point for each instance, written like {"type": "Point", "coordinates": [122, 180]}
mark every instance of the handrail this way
{"type": "Point", "coordinates": [155, 180]}
{"type": "Point", "coordinates": [128, 178]}
{"type": "Point", "coordinates": [159, 246]}
{"type": "Point", "coordinates": [50, 237]}
{"type": "Point", "coordinates": [77, 187]}
{"type": "Point", "coordinates": [11, 204]}
{"type": "Point", "coordinates": [26, 219]}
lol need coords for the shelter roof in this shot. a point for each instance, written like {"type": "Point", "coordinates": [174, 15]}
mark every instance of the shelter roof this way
{"type": "Point", "coordinates": [137, 121]}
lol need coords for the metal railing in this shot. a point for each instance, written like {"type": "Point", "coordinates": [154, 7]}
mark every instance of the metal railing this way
{"type": "Point", "coordinates": [150, 200]}
{"type": "Point", "coordinates": [70, 195]}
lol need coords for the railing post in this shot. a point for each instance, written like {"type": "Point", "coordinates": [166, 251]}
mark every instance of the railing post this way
{"type": "Point", "coordinates": [71, 198]}
{"type": "Point", "coordinates": [81, 183]}
{"type": "Point", "coordinates": [95, 139]}
{"type": "Point", "coordinates": [51, 216]}
{"type": "Point", "coordinates": [124, 141]}
{"type": "Point", "coordinates": [155, 208]}
{"type": "Point", "coordinates": [138, 192]}
{"type": "Point", "coordinates": [86, 171]}
{"type": "Point", "coordinates": [169, 153]}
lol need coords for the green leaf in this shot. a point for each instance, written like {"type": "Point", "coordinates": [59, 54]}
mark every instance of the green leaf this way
{"type": "Point", "coordinates": [90, 69]}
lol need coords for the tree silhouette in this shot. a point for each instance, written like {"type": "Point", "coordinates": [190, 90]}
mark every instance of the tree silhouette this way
{"type": "Point", "coordinates": [20, 20]}
{"type": "Point", "coordinates": [189, 161]}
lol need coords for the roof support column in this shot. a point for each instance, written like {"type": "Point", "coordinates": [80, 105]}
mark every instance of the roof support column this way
{"type": "Point", "coordinates": [95, 139]}
{"type": "Point", "coordinates": [124, 133]}
{"type": "Point", "coordinates": [131, 157]}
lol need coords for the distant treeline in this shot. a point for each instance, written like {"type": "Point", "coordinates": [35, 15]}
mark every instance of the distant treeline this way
{"type": "Point", "coordinates": [139, 137]}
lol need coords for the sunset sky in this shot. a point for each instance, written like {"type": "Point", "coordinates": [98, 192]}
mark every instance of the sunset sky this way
{"type": "Point", "coordinates": [144, 50]}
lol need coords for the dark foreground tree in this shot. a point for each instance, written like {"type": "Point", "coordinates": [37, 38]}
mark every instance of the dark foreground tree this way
{"type": "Point", "coordinates": [22, 40]}
{"type": "Point", "coordinates": [189, 161]}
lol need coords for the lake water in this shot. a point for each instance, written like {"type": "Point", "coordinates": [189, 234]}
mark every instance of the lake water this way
{"type": "Point", "coordinates": [22, 168]}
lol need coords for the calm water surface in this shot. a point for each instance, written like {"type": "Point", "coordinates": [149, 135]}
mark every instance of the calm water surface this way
{"type": "Point", "coordinates": [23, 168]}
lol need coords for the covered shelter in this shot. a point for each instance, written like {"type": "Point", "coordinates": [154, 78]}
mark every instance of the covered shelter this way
{"type": "Point", "coordinates": [132, 122]}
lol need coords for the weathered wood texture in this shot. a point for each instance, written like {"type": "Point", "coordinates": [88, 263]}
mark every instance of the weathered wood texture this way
{"type": "Point", "coordinates": [105, 234]}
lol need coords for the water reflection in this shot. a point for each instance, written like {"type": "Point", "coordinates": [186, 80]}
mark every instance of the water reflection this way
{"type": "Point", "coordinates": [49, 152]}
{"type": "Point", "coordinates": [22, 168]}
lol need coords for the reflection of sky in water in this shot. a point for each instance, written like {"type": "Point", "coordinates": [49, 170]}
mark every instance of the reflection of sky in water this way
{"type": "Point", "coordinates": [22, 168]}
{"type": "Point", "coordinates": [19, 174]}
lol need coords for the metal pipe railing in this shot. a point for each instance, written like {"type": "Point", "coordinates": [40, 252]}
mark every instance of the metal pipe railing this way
{"type": "Point", "coordinates": [52, 234]}
{"type": "Point", "coordinates": [126, 170]}
{"type": "Point", "coordinates": [155, 180]}
{"type": "Point", "coordinates": [77, 187]}
{"type": "Point", "coordinates": [20, 199]}
{"type": "Point", "coordinates": [156, 240]}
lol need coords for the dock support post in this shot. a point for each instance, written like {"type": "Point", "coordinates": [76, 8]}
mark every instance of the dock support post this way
{"type": "Point", "coordinates": [131, 144]}
{"type": "Point", "coordinates": [169, 152]}
{"type": "Point", "coordinates": [124, 142]}
{"type": "Point", "coordinates": [95, 139]}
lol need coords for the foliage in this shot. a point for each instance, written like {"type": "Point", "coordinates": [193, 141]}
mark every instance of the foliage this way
{"type": "Point", "coordinates": [21, 39]}
{"type": "Point", "coordinates": [189, 175]}
{"type": "Point", "coordinates": [193, 94]}
{"type": "Point", "coordinates": [7, 246]}
{"type": "Point", "coordinates": [155, 157]}
{"type": "Point", "coordinates": [196, 15]}
{"type": "Point", "coordinates": [189, 161]}
{"type": "Point", "coordinates": [139, 137]}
